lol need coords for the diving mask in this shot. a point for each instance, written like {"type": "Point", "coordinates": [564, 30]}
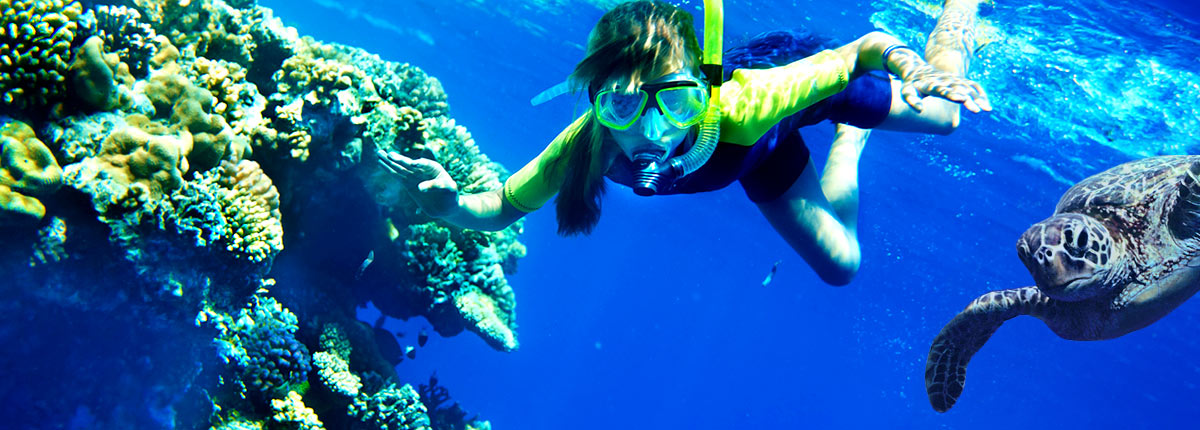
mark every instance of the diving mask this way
{"type": "Point", "coordinates": [683, 103]}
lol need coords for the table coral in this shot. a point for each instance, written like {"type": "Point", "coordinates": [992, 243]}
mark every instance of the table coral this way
{"type": "Point", "coordinates": [27, 170]}
{"type": "Point", "coordinates": [37, 38]}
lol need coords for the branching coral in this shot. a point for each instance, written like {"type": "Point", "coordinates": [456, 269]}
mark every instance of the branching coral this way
{"type": "Point", "coordinates": [36, 36]}
{"type": "Point", "coordinates": [27, 170]}
{"type": "Point", "coordinates": [445, 413]}
{"type": "Point", "coordinates": [401, 84]}
{"type": "Point", "coordinates": [213, 29]}
{"type": "Point", "coordinates": [125, 34]}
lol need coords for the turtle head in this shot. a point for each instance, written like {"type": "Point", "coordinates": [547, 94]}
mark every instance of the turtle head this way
{"type": "Point", "coordinates": [1069, 256]}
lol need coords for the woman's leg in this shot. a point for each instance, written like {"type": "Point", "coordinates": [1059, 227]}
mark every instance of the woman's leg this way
{"type": "Point", "coordinates": [952, 42]}
{"type": "Point", "coordinates": [839, 181]}
{"type": "Point", "coordinates": [819, 217]}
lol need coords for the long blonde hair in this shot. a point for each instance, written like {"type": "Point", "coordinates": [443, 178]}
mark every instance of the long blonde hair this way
{"type": "Point", "coordinates": [637, 40]}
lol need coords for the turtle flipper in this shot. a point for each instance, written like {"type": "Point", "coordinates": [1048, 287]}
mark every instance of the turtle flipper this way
{"type": "Point", "coordinates": [946, 367]}
{"type": "Point", "coordinates": [1185, 216]}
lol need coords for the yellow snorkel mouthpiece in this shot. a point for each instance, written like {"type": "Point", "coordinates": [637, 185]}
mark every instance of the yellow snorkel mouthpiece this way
{"type": "Point", "coordinates": [654, 176]}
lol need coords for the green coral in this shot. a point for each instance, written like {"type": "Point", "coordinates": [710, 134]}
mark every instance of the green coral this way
{"type": "Point", "coordinates": [94, 76]}
{"type": "Point", "coordinates": [36, 39]}
{"type": "Point", "coordinates": [27, 170]}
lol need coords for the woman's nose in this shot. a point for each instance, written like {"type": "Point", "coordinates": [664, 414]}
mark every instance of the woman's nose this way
{"type": "Point", "coordinates": [654, 124]}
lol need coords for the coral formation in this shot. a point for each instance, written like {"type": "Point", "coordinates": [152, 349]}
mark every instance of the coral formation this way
{"type": "Point", "coordinates": [187, 132]}
{"type": "Point", "coordinates": [261, 344]}
{"type": "Point", "coordinates": [95, 74]}
{"type": "Point", "coordinates": [27, 170]}
{"type": "Point", "coordinates": [391, 408]}
{"type": "Point", "coordinates": [444, 413]}
{"type": "Point", "coordinates": [125, 34]}
{"type": "Point", "coordinates": [292, 410]}
{"type": "Point", "coordinates": [334, 363]}
{"type": "Point", "coordinates": [37, 38]}
{"type": "Point", "coordinates": [465, 288]}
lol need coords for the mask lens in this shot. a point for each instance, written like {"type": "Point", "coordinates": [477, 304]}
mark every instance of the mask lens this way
{"type": "Point", "coordinates": [619, 111]}
{"type": "Point", "coordinates": [684, 106]}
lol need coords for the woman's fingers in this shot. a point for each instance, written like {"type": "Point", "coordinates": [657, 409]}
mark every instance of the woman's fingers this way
{"type": "Point", "coordinates": [912, 97]}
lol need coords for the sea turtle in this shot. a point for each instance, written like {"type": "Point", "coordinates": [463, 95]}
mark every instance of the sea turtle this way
{"type": "Point", "coordinates": [1120, 252]}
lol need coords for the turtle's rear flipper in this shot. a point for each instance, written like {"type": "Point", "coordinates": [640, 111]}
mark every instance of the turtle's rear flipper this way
{"type": "Point", "coordinates": [1185, 216]}
{"type": "Point", "coordinates": [946, 368]}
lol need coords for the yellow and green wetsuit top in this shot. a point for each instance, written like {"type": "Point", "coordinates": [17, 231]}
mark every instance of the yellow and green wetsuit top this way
{"type": "Point", "coordinates": [752, 102]}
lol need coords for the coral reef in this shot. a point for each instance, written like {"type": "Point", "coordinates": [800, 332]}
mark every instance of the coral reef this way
{"type": "Point", "coordinates": [37, 38]}
{"type": "Point", "coordinates": [195, 138]}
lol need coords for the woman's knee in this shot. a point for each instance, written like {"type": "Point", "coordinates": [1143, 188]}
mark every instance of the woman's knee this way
{"type": "Point", "coordinates": [838, 272]}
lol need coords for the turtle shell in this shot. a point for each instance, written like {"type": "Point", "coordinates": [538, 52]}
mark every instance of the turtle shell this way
{"type": "Point", "coordinates": [1130, 190]}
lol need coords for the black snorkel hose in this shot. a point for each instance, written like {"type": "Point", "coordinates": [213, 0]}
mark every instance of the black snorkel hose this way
{"type": "Point", "coordinates": [654, 175]}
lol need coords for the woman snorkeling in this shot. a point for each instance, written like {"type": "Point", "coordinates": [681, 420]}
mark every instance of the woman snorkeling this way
{"type": "Point", "coordinates": [653, 126]}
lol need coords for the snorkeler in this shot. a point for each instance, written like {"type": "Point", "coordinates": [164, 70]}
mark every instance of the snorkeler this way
{"type": "Point", "coordinates": [665, 122]}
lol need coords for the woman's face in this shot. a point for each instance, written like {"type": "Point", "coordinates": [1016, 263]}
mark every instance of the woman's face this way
{"type": "Point", "coordinates": [651, 132]}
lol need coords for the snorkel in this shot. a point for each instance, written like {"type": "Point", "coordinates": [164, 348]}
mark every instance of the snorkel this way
{"type": "Point", "coordinates": [654, 174]}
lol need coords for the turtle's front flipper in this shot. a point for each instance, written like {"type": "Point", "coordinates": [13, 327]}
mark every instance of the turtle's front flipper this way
{"type": "Point", "coordinates": [1185, 215]}
{"type": "Point", "coordinates": [946, 368]}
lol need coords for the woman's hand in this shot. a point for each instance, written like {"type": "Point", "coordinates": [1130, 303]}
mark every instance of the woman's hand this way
{"type": "Point", "coordinates": [426, 181]}
{"type": "Point", "coordinates": [923, 79]}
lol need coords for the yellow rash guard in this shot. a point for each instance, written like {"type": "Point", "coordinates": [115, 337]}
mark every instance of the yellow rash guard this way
{"type": "Point", "coordinates": [752, 102]}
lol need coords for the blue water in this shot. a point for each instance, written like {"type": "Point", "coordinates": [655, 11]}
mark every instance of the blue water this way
{"type": "Point", "coordinates": [659, 318]}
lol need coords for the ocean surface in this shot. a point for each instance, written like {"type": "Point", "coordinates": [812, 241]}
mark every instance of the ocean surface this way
{"type": "Point", "coordinates": [660, 318]}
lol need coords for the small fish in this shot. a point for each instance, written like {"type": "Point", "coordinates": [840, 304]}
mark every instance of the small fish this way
{"type": "Point", "coordinates": [422, 337]}
{"type": "Point", "coordinates": [771, 275]}
{"type": "Point", "coordinates": [367, 262]}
